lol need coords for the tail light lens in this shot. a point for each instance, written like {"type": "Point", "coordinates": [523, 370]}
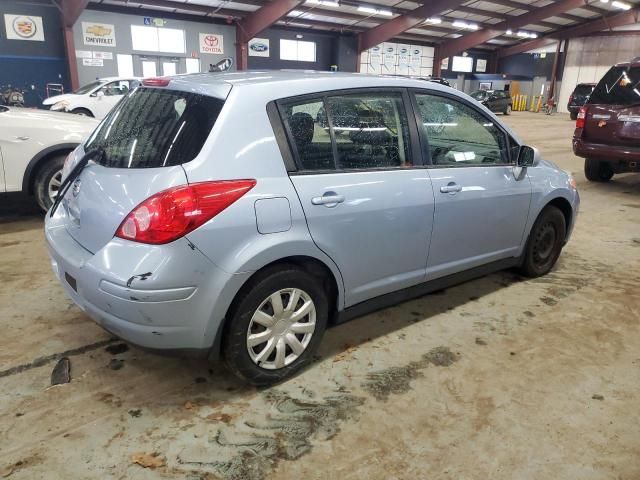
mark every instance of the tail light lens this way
{"type": "Point", "coordinates": [171, 214]}
{"type": "Point", "coordinates": [570, 98]}
{"type": "Point", "coordinates": [582, 115]}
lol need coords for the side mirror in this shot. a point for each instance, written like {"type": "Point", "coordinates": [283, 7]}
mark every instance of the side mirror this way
{"type": "Point", "coordinates": [527, 156]}
{"type": "Point", "coordinates": [99, 94]}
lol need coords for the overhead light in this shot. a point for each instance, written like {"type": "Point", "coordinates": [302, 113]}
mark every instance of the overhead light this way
{"type": "Point", "coordinates": [527, 34]}
{"type": "Point", "coordinates": [509, 32]}
{"type": "Point", "coordinates": [326, 3]}
{"type": "Point", "coordinates": [434, 20]}
{"type": "Point", "coordinates": [620, 5]}
{"type": "Point", "coordinates": [465, 25]}
{"type": "Point", "coordinates": [375, 11]}
{"type": "Point", "coordinates": [295, 13]}
{"type": "Point", "coordinates": [604, 1]}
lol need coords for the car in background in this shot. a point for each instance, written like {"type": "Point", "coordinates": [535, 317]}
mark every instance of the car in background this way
{"type": "Point", "coordinates": [215, 212]}
{"type": "Point", "coordinates": [440, 80]}
{"type": "Point", "coordinates": [578, 98]}
{"type": "Point", "coordinates": [95, 99]}
{"type": "Point", "coordinates": [495, 100]}
{"type": "Point", "coordinates": [33, 147]}
{"type": "Point", "coordinates": [607, 133]}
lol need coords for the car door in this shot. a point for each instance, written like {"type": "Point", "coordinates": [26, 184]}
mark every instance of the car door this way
{"type": "Point", "coordinates": [493, 102]}
{"type": "Point", "coordinates": [367, 200]}
{"type": "Point", "coordinates": [481, 208]}
{"type": "Point", "coordinates": [108, 96]}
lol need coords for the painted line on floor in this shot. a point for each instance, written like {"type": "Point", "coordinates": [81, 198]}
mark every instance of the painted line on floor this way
{"type": "Point", "coordinates": [40, 361]}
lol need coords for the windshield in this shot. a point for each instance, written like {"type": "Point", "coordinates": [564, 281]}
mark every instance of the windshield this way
{"type": "Point", "coordinates": [619, 86]}
{"type": "Point", "coordinates": [87, 88]}
{"type": "Point", "coordinates": [480, 94]}
{"type": "Point", "coordinates": [155, 127]}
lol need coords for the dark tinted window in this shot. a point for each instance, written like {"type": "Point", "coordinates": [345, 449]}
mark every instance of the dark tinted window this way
{"type": "Point", "coordinates": [371, 131]}
{"type": "Point", "coordinates": [310, 133]}
{"type": "Point", "coordinates": [459, 135]}
{"type": "Point", "coordinates": [87, 88]}
{"type": "Point", "coordinates": [479, 95]}
{"type": "Point", "coordinates": [583, 90]}
{"type": "Point", "coordinates": [154, 127]}
{"type": "Point", "coordinates": [619, 86]}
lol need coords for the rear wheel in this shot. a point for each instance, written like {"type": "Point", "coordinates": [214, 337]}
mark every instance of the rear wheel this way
{"type": "Point", "coordinates": [597, 170]}
{"type": "Point", "coordinates": [545, 242]}
{"type": "Point", "coordinates": [573, 115]}
{"type": "Point", "coordinates": [48, 181]}
{"type": "Point", "coordinates": [82, 112]}
{"type": "Point", "coordinates": [276, 325]}
{"type": "Point", "coordinates": [507, 110]}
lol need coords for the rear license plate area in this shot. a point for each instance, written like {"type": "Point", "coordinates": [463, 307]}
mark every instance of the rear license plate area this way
{"type": "Point", "coordinates": [71, 281]}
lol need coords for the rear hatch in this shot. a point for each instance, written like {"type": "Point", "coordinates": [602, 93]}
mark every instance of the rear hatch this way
{"type": "Point", "coordinates": [142, 144]}
{"type": "Point", "coordinates": [613, 110]}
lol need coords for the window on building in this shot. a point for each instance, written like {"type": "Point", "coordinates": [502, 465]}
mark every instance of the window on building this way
{"type": "Point", "coordinates": [297, 50]}
{"type": "Point", "coordinates": [154, 39]}
{"type": "Point", "coordinates": [125, 65]}
{"type": "Point", "coordinates": [193, 65]}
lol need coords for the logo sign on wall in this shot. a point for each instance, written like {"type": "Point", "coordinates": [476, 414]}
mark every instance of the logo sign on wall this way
{"type": "Point", "coordinates": [259, 47]}
{"type": "Point", "coordinates": [211, 43]}
{"type": "Point", "coordinates": [24, 27]}
{"type": "Point", "coordinates": [100, 34]}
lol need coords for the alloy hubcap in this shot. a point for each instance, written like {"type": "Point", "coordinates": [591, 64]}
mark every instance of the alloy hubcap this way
{"type": "Point", "coordinates": [281, 328]}
{"type": "Point", "coordinates": [544, 243]}
{"type": "Point", "coordinates": [54, 185]}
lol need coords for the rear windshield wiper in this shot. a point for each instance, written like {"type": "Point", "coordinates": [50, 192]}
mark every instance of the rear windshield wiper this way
{"type": "Point", "coordinates": [73, 174]}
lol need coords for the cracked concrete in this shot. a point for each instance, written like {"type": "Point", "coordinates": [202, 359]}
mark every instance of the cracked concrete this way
{"type": "Point", "coordinates": [501, 378]}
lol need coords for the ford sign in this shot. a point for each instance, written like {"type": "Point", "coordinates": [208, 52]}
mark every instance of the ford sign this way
{"type": "Point", "coordinates": [259, 47]}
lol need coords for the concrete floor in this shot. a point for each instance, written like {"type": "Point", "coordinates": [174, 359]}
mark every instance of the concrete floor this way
{"type": "Point", "coordinates": [498, 378]}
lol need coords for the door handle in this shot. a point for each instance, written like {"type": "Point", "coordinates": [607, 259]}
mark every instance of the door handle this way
{"type": "Point", "coordinates": [451, 188]}
{"type": "Point", "coordinates": [329, 199]}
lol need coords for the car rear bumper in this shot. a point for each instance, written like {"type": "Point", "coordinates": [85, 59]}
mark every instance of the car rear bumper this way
{"type": "Point", "coordinates": [610, 153]}
{"type": "Point", "coordinates": [167, 297]}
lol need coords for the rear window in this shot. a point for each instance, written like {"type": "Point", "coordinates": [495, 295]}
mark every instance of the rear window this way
{"type": "Point", "coordinates": [154, 127]}
{"type": "Point", "coordinates": [583, 89]}
{"type": "Point", "coordinates": [619, 86]}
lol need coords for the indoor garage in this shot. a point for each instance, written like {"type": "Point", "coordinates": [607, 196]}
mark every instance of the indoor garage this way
{"type": "Point", "coordinates": [253, 239]}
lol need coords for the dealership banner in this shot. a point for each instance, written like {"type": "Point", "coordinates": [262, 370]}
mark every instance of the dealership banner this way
{"type": "Point", "coordinates": [99, 34]}
{"type": "Point", "coordinates": [211, 43]}
{"type": "Point", "coordinates": [24, 27]}
{"type": "Point", "coordinates": [259, 47]}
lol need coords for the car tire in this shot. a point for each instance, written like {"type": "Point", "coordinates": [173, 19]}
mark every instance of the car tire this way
{"type": "Point", "coordinates": [507, 111]}
{"type": "Point", "coordinates": [545, 242]}
{"type": "Point", "coordinates": [573, 115]}
{"type": "Point", "coordinates": [247, 318]}
{"type": "Point", "coordinates": [82, 112]}
{"type": "Point", "coordinates": [47, 181]}
{"type": "Point", "coordinates": [597, 170]}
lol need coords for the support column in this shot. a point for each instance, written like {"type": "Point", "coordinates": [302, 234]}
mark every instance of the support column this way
{"type": "Point", "coordinates": [70, 49]}
{"type": "Point", "coordinates": [554, 71]}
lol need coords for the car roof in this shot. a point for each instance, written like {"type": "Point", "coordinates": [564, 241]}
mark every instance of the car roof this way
{"type": "Point", "coordinates": [112, 79]}
{"type": "Point", "coordinates": [633, 63]}
{"type": "Point", "coordinates": [287, 83]}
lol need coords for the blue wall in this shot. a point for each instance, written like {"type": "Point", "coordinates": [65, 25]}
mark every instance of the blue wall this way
{"type": "Point", "coordinates": [24, 63]}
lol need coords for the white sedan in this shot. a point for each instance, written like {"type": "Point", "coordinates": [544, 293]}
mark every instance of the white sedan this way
{"type": "Point", "coordinates": [33, 147]}
{"type": "Point", "coordinates": [95, 99]}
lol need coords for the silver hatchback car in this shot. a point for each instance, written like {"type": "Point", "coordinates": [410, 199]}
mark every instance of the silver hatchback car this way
{"type": "Point", "coordinates": [240, 213]}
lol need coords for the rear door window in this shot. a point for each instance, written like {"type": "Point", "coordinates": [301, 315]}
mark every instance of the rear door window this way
{"type": "Point", "coordinates": [154, 127]}
{"type": "Point", "coordinates": [619, 86]}
{"type": "Point", "coordinates": [347, 132]}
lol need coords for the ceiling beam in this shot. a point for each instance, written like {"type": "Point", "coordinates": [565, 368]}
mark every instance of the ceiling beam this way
{"type": "Point", "coordinates": [394, 27]}
{"type": "Point", "coordinates": [458, 45]}
{"type": "Point", "coordinates": [261, 19]}
{"type": "Point", "coordinates": [594, 26]}
{"type": "Point", "coordinates": [186, 7]}
{"type": "Point", "coordinates": [529, 8]}
{"type": "Point", "coordinates": [71, 10]}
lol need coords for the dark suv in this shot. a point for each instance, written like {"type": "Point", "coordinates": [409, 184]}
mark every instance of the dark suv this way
{"type": "Point", "coordinates": [578, 98]}
{"type": "Point", "coordinates": [607, 130]}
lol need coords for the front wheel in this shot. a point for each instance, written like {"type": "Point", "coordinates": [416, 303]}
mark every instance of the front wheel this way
{"type": "Point", "coordinates": [275, 325]}
{"type": "Point", "coordinates": [48, 181]}
{"type": "Point", "coordinates": [507, 111]}
{"type": "Point", "coordinates": [545, 242]}
{"type": "Point", "coordinates": [597, 170]}
{"type": "Point", "coordinates": [83, 112]}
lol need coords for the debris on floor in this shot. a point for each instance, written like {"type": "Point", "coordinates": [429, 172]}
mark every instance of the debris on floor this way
{"type": "Point", "coordinates": [597, 396]}
{"type": "Point", "coordinates": [148, 460]}
{"type": "Point", "coordinates": [116, 364]}
{"type": "Point", "coordinates": [61, 372]}
{"type": "Point", "coordinates": [480, 341]}
{"type": "Point", "coordinates": [117, 348]}
{"type": "Point", "coordinates": [135, 413]}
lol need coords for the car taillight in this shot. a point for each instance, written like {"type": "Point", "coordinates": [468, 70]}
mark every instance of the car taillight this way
{"type": "Point", "coordinates": [580, 120]}
{"type": "Point", "coordinates": [570, 98]}
{"type": "Point", "coordinates": [171, 214]}
{"type": "Point", "coordinates": [156, 82]}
